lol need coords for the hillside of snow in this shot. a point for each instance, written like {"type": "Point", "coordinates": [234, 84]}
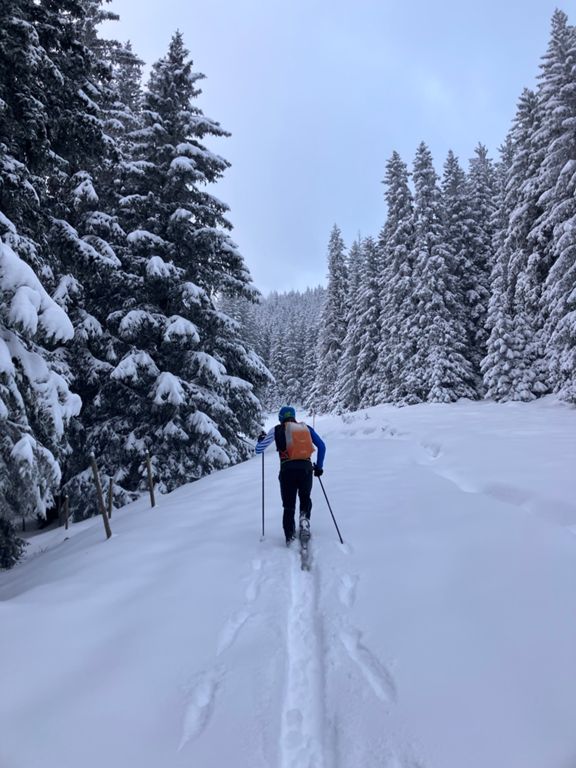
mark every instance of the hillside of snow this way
{"type": "Point", "coordinates": [442, 634]}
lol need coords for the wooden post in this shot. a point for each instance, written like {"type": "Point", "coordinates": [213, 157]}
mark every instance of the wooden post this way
{"type": "Point", "coordinates": [110, 499]}
{"type": "Point", "coordinates": [150, 479]}
{"type": "Point", "coordinates": [59, 509]}
{"type": "Point", "coordinates": [66, 511]}
{"type": "Point", "coordinates": [100, 496]}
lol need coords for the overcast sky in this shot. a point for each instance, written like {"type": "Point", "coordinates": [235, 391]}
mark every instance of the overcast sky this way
{"type": "Point", "coordinates": [318, 93]}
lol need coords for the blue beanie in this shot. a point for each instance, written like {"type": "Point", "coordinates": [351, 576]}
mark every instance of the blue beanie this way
{"type": "Point", "coordinates": [286, 412]}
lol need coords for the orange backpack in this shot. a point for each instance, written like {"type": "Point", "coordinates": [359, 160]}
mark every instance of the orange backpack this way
{"type": "Point", "coordinates": [299, 443]}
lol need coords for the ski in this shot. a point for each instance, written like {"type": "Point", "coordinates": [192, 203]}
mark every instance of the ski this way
{"type": "Point", "coordinates": [304, 544]}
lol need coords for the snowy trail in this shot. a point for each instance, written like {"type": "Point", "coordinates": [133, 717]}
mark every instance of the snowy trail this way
{"type": "Point", "coordinates": [302, 734]}
{"type": "Point", "coordinates": [441, 634]}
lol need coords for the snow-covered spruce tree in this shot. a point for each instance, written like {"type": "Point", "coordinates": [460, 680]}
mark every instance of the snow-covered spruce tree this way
{"type": "Point", "coordinates": [368, 323]}
{"type": "Point", "coordinates": [482, 211]}
{"type": "Point", "coordinates": [439, 370]}
{"type": "Point", "coordinates": [498, 363]}
{"type": "Point", "coordinates": [396, 288]}
{"type": "Point", "coordinates": [555, 229]}
{"type": "Point", "coordinates": [459, 228]}
{"type": "Point", "coordinates": [183, 390]}
{"type": "Point", "coordinates": [513, 357]}
{"type": "Point", "coordinates": [332, 331]}
{"type": "Point", "coordinates": [35, 400]}
{"type": "Point", "coordinates": [348, 393]}
{"type": "Point", "coordinates": [85, 241]}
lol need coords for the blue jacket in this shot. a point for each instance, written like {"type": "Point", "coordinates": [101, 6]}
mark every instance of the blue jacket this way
{"type": "Point", "coordinates": [261, 445]}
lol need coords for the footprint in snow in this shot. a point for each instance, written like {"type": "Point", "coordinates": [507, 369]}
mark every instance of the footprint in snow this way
{"type": "Point", "coordinates": [231, 630]}
{"type": "Point", "coordinates": [347, 590]}
{"type": "Point", "coordinates": [375, 673]}
{"type": "Point", "coordinates": [200, 706]}
{"type": "Point", "coordinates": [253, 589]}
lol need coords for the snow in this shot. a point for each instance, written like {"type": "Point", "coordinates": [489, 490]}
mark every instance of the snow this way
{"type": "Point", "coordinates": [442, 634]}
{"type": "Point", "coordinates": [23, 450]}
{"type": "Point", "coordinates": [130, 367]}
{"type": "Point", "coordinates": [157, 267]}
{"type": "Point", "coordinates": [183, 165]}
{"type": "Point", "coordinates": [139, 236]}
{"type": "Point", "coordinates": [30, 305]}
{"type": "Point", "coordinates": [179, 328]}
{"type": "Point", "coordinates": [168, 388]}
{"type": "Point", "coordinates": [210, 366]}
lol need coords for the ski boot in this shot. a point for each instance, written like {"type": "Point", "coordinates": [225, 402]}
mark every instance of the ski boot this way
{"type": "Point", "coordinates": [304, 528]}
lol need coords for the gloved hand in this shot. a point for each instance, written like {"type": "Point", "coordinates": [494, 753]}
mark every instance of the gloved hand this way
{"type": "Point", "coordinates": [318, 471]}
{"type": "Point", "coordinates": [261, 436]}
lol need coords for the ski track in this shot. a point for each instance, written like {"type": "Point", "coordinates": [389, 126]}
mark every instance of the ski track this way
{"type": "Point", "coordinates": [302, 727]}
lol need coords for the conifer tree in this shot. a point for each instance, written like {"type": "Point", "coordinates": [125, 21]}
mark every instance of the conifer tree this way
{"type": "Point", "coordinates": [439, 370]}
{"type": "Point", "coordinates": [184, 387]}
{"type": "Point", "coordinates": [482, 211]}
{"type": "Point", "coordinates": [396, 347]}
{"type": "Point", "coordinates": [35, 400]}
{"type": "Point", "coordinates": [368, 330]}
{"type": "Point", "coordinates": [511, 364]}
{"type": "Point", "coordinates": [348, 392]}
{"type": "Point", "coordinates": [554, 231]}
{"type": "Point", "coordinates": [332, 327]}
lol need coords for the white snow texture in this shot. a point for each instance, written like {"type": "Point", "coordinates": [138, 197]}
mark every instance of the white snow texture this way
{"type": "Point", "coordinates": [442, 634]}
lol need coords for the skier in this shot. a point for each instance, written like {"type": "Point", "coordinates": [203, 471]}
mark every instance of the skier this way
{"type": "Point", "coordinates": [295, 443]}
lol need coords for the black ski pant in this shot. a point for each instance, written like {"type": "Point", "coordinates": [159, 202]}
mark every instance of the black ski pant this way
{"type": "Point", "coordinates": [295, 480]}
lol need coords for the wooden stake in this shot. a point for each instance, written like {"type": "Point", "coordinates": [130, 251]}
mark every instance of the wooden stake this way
{"type": "Point", "coordinates": [100, 496]}
{"type": "Point", "coordinates": [66, 507]}
{"type": "Point", "coordinates": [110, 499]}
{"type": "Point", "coordinates": [150, 480]}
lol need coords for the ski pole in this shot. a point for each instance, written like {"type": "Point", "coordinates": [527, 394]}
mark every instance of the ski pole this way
{"type": "Point", "coordinates": [262, 495]}
{"type": "Point", "coordinates": [332, 513]}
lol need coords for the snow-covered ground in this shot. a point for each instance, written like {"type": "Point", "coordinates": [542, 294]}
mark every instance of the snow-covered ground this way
{"type": "Point", "coordinates": [442, 634]}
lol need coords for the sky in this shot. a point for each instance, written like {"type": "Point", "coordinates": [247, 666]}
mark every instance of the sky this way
{"type": "Point", "coordinates": [317, 94]}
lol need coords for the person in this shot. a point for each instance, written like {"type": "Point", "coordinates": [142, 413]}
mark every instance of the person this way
{"type": "Point", "coordinates": [295, 443]}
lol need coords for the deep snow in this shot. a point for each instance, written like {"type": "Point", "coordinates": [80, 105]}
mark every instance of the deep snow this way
{"type": "Point", "coordinates": [442, 634]}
